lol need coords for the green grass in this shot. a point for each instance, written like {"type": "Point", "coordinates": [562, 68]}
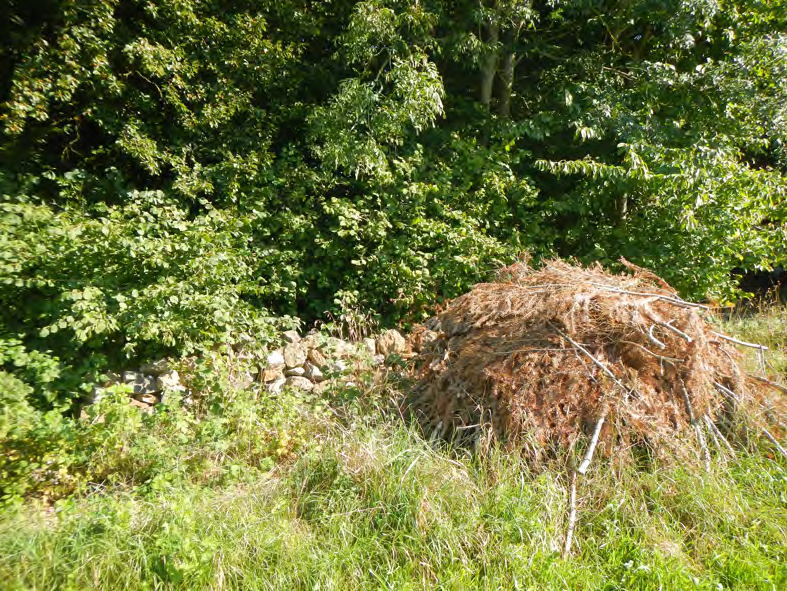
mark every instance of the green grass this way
{"type": "Point", "coordinates": [377, 508]}
{"type": "Point", "coordinates": [362, 502]}
{"type": "Point", "coordinates": [767, 326]}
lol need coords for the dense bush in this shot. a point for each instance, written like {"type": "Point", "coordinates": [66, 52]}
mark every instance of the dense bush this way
{"type": "Point", "coordinates": [176, 173]}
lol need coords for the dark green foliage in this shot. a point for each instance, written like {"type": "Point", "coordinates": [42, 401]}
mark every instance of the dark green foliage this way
{"type": "Point", "coordinates": [175, 171]}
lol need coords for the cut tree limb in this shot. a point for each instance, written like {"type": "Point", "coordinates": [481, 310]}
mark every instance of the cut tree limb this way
{"type": "Point", "coordinates": [590, 356]}
{"type": "Point", "coordinates": [677, 331]}
{"type": "Point", "coordinates": [718, 434]}
{"type": "Point", "coordinates": [653, 339]}
{"type": "Point", "coordinates": [765, 431]}
{"type": "Point", "coordinates": [583, 467]}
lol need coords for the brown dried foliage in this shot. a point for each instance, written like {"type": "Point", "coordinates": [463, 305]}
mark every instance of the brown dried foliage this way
{"type": "Point", "coordinates": [509, 355]}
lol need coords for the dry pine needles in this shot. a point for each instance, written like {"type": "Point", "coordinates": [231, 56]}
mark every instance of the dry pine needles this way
{"type": "Point", "coordinates": [547, 359]}
{"type": "Point", "coordinates": [565, 352]}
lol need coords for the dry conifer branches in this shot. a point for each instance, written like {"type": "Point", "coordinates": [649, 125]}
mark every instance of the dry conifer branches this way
{"type": "Point", "coordinates": [565, 354]}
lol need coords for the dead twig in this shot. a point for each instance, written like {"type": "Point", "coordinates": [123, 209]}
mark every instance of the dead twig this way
{"type": "Point", "coordinates": [677, 331]}
{"type": "Point", "coordinates": [718, 435]}
{"type": "Point", "coordinates": [738, 341]}
{"type": "Point", "coordinates": [572, 511]}
{"type": "Point", "coordinates": [765, 431]}
{"type": "Point", "coordinates": [772, 384]}
{"type": "Point", "coordinates": [653, 339]}
{"type": "Point", "coordinates": [697, 429]}
{"type": "Point", "coordinates": [590, 356]}
{"type": "Point", "coordinates": [659, 296]}
{"type": "Point", "coordinates": [583, 467]}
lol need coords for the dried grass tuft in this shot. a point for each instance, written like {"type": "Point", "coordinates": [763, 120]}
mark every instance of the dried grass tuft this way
{"type": "Point", "coordinates": [549, 357]}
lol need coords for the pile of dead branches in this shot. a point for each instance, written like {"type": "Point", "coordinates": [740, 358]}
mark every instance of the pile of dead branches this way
{"type": "Point", "coordinates": [571, 358]}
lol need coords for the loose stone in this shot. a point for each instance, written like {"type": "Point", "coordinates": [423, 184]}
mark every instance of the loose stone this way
{"type": "Point", "coordinates": [391, 341]}
{"type": "Point", "coordinates": [294, 355]}
{"type": "Point", "coordinates": [299, 383]}
{"type": "Point", "coordinates": [291, 336]}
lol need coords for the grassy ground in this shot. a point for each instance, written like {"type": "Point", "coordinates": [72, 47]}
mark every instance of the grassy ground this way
{"type": "Point", "coordinates": [367, 504]}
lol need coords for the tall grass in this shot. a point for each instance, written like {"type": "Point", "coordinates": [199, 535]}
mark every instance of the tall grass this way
{"type": "Point", "coordinates": [363, 502]}
{"type": "Point", "coordinates": [765, 325]}
{"type": "Point", "coordinates": [378, 508]}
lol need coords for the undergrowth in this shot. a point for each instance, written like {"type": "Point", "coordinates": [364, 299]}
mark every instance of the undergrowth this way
{"type": "Point", "coordinates": [378, 508]}
{"type": "Point", "coordinates": [765, 325]}
{"type": "Point", "coordinates": [251, 491]}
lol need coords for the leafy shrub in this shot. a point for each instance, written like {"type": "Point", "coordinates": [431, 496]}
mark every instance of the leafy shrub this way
{"type": "Point", "coordinates": [105, 283]}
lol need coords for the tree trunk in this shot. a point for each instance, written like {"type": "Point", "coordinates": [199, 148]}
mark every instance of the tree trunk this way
{"type": "Point", "coordinates": [489, 65]}
{"type": "Point", "coordinates": [507, 84]}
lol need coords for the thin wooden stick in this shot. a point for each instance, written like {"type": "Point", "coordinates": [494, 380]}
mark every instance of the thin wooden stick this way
{"type": "Point", "coordinates": [659, 296]}
{"type": "Point", "coordinates": [677, 331]}
{"type": "Point", "coordinates": [656, 355]}
{"type": "Point", "coordinates": [572, 513]}
{"type": "Point", "coordinates": [776, 444]}
{"type": "Point", "coordinates": [603, 367]}
{"type": "Point", "coordinates": [653, 339]}
{"type": "Point", "coordinates": [718, 434]}
{"type": "Point", "coordinates": [727, 391]}
{"type": "Point", "coordinates": [716, 441]}
{"type": "Point", "coordinates": [765, 431]}
{"type": "Point", "coordinates": [739, 342]}
{"type": "Point", "coordinates": [769, 382]}
{"type": "Point", "coordinates": [697, 430]}
{"type": "Point", "coordinates": [583, 467]}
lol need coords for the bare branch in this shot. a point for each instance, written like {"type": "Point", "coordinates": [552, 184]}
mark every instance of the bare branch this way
{"type": "Point", "coordinates": [739, 342]}
{"type": "Point", "coordinates": [583, 467]}
{"type": "Point", "coordinates": [572, 513]}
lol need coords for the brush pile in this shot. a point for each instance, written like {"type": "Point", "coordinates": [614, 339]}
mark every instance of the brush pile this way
{"type": "Point", "coordinates": [551, 357]}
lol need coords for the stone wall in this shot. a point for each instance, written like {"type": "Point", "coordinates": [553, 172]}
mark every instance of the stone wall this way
{"type": "Point", "coordinates": [313, 362]}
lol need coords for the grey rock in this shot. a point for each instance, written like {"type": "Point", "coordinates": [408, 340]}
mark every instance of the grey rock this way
{"type": "Point", "coordinates": [311, 341]}
{"type": "Point", "coordinates": [148, 399]}
{"type": "Point", "coordinates": [169, 382]}
{"type": "Point", "coordinates": [112, 377]}
{"type": "Point", "coordinates": [391, 341]}
{"type": "Point", "coordinates": [313, 372]}
{"type": "Point", "coordinates": [316, 357]}
{"type": "Point", "coordinates": [130, 376]}
{"type": "Point", "coordinates": [428, 338]}
{"type": "Point", "coordinates": [321, 387]}
{"type": "Point", "coordinates": [299, 383]}
{"type": "Point", "coordinates": [378, 359]}
{"type": "Point", "coordinates": [338, 366]}
{"type": "Point", "coordinates": [141, 383]}
{"type": "Point", "coordinates": [95, 395]}
{"type": "Point", "coordinates": [275, 359]}
{"type": "Point", "coordinates": [272, 374]}
{"type": "Point", "coordinates": [294, 355]}
{"type": "Point", "coordinates": [295, 371]}
{"type": "Point", "coordinates": [338, 348]}
{"type": "Point", "coordinates": [144, 406]}
{"type": "Point", "coordinates": [370, 345]}
{"type": "Point", "coordinates": [276, 386]}
{"type": "Point", "coordinates": [291, 336]}
{"type": "Point", "coordinates": [243, 380]}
